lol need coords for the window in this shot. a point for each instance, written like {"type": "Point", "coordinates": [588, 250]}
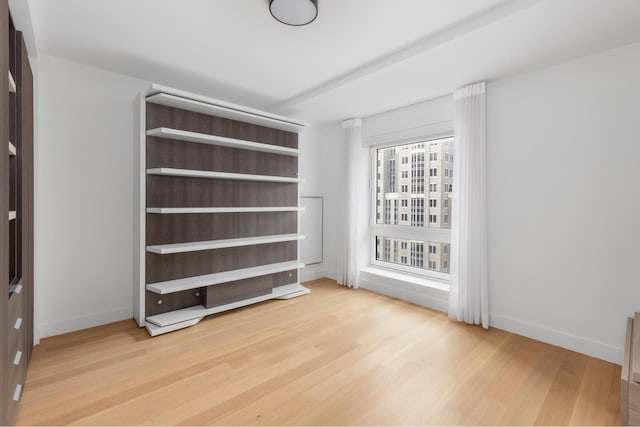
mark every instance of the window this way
{"type": "Point", "coordinates": [448, 188]}
{"type": "Point", "coordinates": [446, 157]}
{"type": "Point", "coordinates": [417, 173]}
{"type": "Point", "coordinates": [446, 218]}
{"type": "Point", "coordinates": [417, 212]}
{"type": "Point", "coordinates": [446, 171]}
{"type": "Point", "coordinates": [410, 233]}
{"type": "Point", "coordinates": [417, 254]}
{"type": "Point", "coordinates": [392, 176]}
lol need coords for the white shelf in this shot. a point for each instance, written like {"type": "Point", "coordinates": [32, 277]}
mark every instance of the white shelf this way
{"type": "Point", "coordinates": [197, 312]}
{"type": "Point", "coordinates": [224, 210]}
{"type": "Point", "coordinates": [155, 330]}
{"type": "Point", "coordinates": [12, 149]}
{"type": "Point", "coordinates": [174, 248]}
{"type": "Point", "coordinates": [12, 83]}
{"type": "Point", "coordinates": [202, 138]}
{"type": "Point", "coordinates": [222, 277]}
{"type": "Point", "coordinates": [12, 215]}
{"type": "Point", "coordinates": [214, 107]}
{"type": "Point", "coordinates": [220, 175]}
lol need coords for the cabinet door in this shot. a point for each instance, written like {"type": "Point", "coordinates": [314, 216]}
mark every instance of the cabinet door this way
{"type": "Point", "coordinates": [4, 204]}
{"type": "Point", "coordinates": [26, 124]}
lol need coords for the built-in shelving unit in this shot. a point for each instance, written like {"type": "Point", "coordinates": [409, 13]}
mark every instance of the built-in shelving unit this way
{"type": "Point", "coordinates": [220, 175]}
{"type": "Point", "coordinates": [12, 149]}
{"type": "Point", "coordinates": [201, 138]}
{"type": "Point", "coordinates": [218, 220]}
{"type": "Point", "coordinates": [225, 210]}
{"type": "Point", "coordinates": [12, 83]}
{"type": "Point", "coordinates": [175, 248]}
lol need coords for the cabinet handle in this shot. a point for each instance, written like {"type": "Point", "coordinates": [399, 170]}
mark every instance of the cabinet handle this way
{"type": "Point", "coordinates": [16, 393]}
{"type": "Point", "coordinates": [16, 360]}
{"type": "Point", "coordinates": [18, 323]}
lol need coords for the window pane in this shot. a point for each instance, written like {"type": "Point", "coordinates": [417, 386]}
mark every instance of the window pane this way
{"type": "Point", "coordinates": [403, 185]}
{"type": "Point", "coordinates": [413, 253]}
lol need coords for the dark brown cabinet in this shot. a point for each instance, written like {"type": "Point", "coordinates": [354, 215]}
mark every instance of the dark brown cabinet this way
{"type": "Point", "coordinates": [16, 202]}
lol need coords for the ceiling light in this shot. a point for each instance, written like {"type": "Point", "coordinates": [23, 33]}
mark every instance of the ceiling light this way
{"type": "Point", "coordinates": [294, 12]}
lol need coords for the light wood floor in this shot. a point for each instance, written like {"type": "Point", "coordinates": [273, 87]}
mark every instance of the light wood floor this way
{"type": "Point", "coordinates": [336, 356]}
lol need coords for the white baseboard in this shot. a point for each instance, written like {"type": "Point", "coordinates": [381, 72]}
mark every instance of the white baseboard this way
{"type": "Point", "coordinates": [316, 271]}
{"type": "Point", "coordinates": [559, 338]}
{"type": "Point", "coordinates": [436, 299]}
{"type": "Point", "coordinates": [69, 325]}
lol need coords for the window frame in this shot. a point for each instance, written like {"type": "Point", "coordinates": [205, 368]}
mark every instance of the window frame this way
{"type": "Point", "coordinates": [406, 232]}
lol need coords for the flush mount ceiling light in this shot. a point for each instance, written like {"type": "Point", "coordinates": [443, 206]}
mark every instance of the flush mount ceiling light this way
{"type": "Point", "coordinates": [294, 12]}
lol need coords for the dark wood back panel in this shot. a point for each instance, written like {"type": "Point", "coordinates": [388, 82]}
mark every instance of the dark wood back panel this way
{"type": "Point", "coordinates": [160, 268]}
{"type": "Point", "coordinates": [162, 116]}
{"type": "Point", "coordinates": [170, 228]}
{"type": "Point", "coordinates": [158, 304]}
{"type": "Point", "coordinates": [168, 153]}
{"type": "Point", "coordinates": [173, 191]}
{"type": "Point", "coordinates": [170, 191]}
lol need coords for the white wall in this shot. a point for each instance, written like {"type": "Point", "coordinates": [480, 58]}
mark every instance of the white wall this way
{"type": "Point", "coordinates": [322, 167]}
{"type": "Point", "coordinates": [84, 184]}
{"type": "Point", "coordinates": [84, 196]}
{"type": "Point", "coordinates": [564, 202]}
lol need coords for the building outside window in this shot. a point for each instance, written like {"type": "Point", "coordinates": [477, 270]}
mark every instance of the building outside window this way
{"type": "Point", "coordinates": [401, 215]}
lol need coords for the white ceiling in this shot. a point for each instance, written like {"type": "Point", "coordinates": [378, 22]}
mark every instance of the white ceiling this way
{"type": "Point", "coordinates": [358, 58]}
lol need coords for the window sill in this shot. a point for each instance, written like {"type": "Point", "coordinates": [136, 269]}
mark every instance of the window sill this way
{"type": "Point", "coordinates": [423, 291]}
{"type": "Point", "coordinates": [404, 277]}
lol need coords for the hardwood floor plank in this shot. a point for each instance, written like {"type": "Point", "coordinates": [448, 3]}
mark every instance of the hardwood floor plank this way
{"type": "Point", "coordinates": [336, 356]}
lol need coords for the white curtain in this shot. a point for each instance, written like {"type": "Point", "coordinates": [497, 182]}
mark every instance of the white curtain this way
{"type": "Point", "coordinates": [353, 247]}
{"type": "Point", "coordinates": [469, 293]}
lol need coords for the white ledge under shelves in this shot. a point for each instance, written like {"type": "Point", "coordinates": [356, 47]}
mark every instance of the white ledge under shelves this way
{"type": "Point", "coordinates": [12, 83]}
{"type": "Point", "coordinates": [225, 210]}
{"type": "Point", "coordinates": [190, 173]}
{"type": "Point", "coordinates": [203, 138]}
{"type": "Point", "coordinates": [174, 248]}
{"type": "Point", "coordinates": [191, 315]}
{"type": "Point", "coordinates": [12, 215]}
{"type": "Point", "coordinates": [12, 149]}
{"type": "Point", "coordinates": [187, 283]}
{"type": "Point", "coordinates": [214, 107]}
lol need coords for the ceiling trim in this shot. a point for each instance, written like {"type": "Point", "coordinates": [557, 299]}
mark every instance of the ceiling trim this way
{"type": "Point", "coordinates": [451, 32]}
